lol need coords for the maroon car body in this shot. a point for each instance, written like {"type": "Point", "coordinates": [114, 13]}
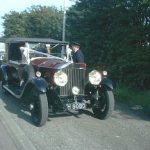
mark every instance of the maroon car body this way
{"type": "Point", "coordinates": [48, 83]}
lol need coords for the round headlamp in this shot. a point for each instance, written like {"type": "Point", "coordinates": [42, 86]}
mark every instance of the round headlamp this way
{"type": "Point", "coordinates": [60, 78]}
{"type": "Point", "coordinates": [95, 77]}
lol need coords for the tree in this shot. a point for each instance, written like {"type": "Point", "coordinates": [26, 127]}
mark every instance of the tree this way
{"type": "Point", "coordinates": [44, 22]}
{"type": "Point", "coordinates": [14, 24]}
{"type": "Point", "coordinates": [115, 36]}
{"type": "Point", "coordinates": [36, 21]}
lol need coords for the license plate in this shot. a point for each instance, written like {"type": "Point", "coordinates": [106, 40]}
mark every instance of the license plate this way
{"type": "Point", "coordinates": [76, 106]}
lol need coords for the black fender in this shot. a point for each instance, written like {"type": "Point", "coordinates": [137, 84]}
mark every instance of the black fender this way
{"type": "Point", "coordinates": [92, 90]}
{"type": "Point", "coordinates": [107, 83]}
{"type": "Point", "coordinates": [40, 85]}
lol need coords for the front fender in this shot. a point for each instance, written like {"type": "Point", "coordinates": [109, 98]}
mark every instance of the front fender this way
{"type": "Point", "coordinates": [107, 82]}
{"type": "Point", "coordinates": [40, 84]}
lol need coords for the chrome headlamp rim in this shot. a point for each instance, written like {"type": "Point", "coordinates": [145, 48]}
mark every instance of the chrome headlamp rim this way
{"type": "Point", "coordinates": [95, 77]}
{"type": "Point", "coordinates": [60, 78]}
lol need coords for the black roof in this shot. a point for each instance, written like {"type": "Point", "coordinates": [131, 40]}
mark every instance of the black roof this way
{"type": "Point", "coordinates": [32, 40]}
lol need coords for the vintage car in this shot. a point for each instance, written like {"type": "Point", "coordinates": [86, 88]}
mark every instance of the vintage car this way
{"type": "Point", "coordinates": [40, 71]}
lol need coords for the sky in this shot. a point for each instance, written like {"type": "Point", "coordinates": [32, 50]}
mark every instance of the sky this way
{"type": "Point", "coordinates": [20, 5]}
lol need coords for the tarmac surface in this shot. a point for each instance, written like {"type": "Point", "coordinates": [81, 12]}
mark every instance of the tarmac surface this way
{"type": "Point", "coordinates": [127, 129]}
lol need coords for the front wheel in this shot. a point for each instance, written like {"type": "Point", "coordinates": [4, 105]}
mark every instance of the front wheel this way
{"type": "Point", "coordinates": [39, 109]}
{"type": "Point", "coordinates": [104, 104]}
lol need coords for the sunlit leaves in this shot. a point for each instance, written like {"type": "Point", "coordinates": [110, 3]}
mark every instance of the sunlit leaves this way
{"type": "Point", "coordinates": [36, 21]}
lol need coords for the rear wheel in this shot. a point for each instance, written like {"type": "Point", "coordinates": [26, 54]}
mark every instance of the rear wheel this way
{"type": "Point", "coordinates": [39, 109]}
{"type": "Point", "coordinates": [104, 105]}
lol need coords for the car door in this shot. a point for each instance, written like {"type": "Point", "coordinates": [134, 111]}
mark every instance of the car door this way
{"type": "Point", "coordinates": [15, 64]}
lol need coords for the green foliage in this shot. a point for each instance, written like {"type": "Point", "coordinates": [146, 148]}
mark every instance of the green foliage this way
{"type": "Point", "coordinates": [115, 35]}
{"type": "Point", "coordinates": [44, 22]}
{"type": "Point", "coordinates": [37, 21]}
{"type": "Point", "coordinates": [14, 23]}
{"type": "Point", "coordinates": [131, 96]}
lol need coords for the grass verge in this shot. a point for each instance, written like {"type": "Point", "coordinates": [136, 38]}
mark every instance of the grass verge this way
{"type": "Point", "coordinates": [132, 96]}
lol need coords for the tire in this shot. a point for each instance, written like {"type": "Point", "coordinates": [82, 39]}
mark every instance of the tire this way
{"type": "Point", "coordinates": [39, 113]}
{"type": "Point", "coordinates": [104, 106]}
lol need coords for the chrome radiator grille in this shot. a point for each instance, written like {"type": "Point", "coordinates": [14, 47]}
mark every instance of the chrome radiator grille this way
{"type": "Point", "coordinates": [76, 77]}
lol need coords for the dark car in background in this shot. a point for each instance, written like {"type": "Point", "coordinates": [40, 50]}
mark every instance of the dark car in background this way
{"type": "Point", "coordinates": [40, 71]}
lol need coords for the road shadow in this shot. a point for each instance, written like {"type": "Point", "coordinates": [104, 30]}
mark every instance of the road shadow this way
{"type": "Point", "coordinates": [76, 114]}
{"type": "Point", "coordinates": [21, 109]}
{"type": "Point", "coordinates": [131, 112]}
{"type": "Point", "coordinates": [15, 106]}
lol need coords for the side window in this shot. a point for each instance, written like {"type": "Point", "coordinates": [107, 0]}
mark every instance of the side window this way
{"type": "Point", "coordinates": [38, 50]}
{"type": "Point", "coordinates": [42, 48]}
{"type": "Point", "coordinates": [15, 52]}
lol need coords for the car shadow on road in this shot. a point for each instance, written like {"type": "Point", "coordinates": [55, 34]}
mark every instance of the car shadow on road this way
{"type": "Point", "coordinates": [131, 112]}
{"type": "Point", "coordinates": [64, 114]}
{"type": "Point", "coordinates": [87, 112]}
{"type": "Point", "coordinates": [15, 106]}
{"type": "Point", "coordinates": [76, 113]}
{"type": "Point", "coordinates": [20, 109]}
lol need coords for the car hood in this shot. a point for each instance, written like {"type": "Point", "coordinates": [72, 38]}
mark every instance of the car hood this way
{"type": "Point", "coordinates": [55, 63]}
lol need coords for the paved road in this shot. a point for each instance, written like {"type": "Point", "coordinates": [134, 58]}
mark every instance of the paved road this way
{"type": "Point", "coordinates": [126, 130]}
